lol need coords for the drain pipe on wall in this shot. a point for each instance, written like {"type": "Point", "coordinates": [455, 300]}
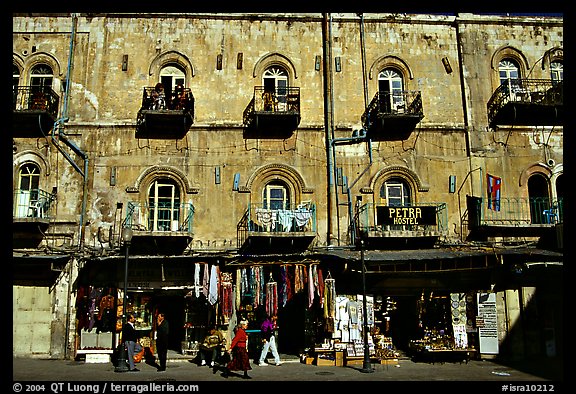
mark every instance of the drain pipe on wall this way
{"type": "Point", "coordinates": [59, 128]}
{"type": "Point", "coordinates": [329, 122]}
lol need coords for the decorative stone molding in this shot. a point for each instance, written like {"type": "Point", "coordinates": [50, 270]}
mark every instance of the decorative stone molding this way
{"type": "Point", "coordinates": [171, 57]}
{"type": "Point", "coordinates": [157, 171]}
{"type": "Point", "coordinates": [390, 61]}
{"type": "Point", "coordinates": [271, 59]}
{"type": "Point", "coordinates": [408, 175]}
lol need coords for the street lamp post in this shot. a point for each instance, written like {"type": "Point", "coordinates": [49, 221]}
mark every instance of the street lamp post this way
{"type": "Point", "coordinates": [121, 364]}
{"type": "Point", "coordinates": [366, 366]}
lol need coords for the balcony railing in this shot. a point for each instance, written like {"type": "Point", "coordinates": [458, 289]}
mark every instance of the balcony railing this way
{"type": "Point", "coordinates": [393, 104]}
{"type": "Point", "coordinates": [162, 217]}
{"type": "Point", "coordinates": [293, 219]}
{"type": "Point", "coordinates": [30, 98]}
{"type": "Point", "coordinates": [422, 218]}
{"type": "Point", "coordinates": [515, 211]}
{"type": "Point", "coordinates": [543, 99]}
{"type": "Point", "coordinates": [276, 109]}
{"type": "Point", "coordinates": [181, 100]}
{"type": "Point", "coordinates": [35, 203]}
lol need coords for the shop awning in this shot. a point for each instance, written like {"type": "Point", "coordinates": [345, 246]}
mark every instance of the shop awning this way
{"type": "Point", "coordinates": [37, 270]}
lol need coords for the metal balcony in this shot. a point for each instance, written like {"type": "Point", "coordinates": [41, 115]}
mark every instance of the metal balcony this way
{"type": "Point", "coordinates": [514, 217]}
{"type": "Point", "coordinates": [265, 230]}
{"type": "Point", "coordinates": [393, 116]}
{"type": "Point", "coordinates": [163, 229]}
{"type": "Point", "coordinates": [168, 118]}
{"type": "Point", "coordinates": [34, 111]}
{"type": "Point", "coordinates": [272, 114]}
{"type": "Point", "coordinates": [32, 210]}
{"type": "Point", "coordinates": [527, 102]}
{"type": "Point", "coordinates": [413, 226]}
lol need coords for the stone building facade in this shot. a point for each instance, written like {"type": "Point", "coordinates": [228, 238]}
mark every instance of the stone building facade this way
{"type": "Point", "coordinates": [366, 112]}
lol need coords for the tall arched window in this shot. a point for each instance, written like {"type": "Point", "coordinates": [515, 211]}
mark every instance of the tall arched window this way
{"type": "Point", "coordinates": [27, 194]}
{"type": "Point", "coordinates": [557, 71]}
{"type": "Point", "coordinates": [539, 197]}
{"type": "Point", "coordinates": [164, 205]}
{"type": "Point", "coordinates": [509, 73]}
{"type": "Point", "coordinates": [390, 88]}
{"type": "Point", "coordinates": [41, 78]}
{"type": "Point", "coordinates": [276, 196]}
{"type": "Point", "coordinates": [171, 76]}
{"type": "Point", "coordinates": [275, 81]}
{"type": "Point", "coordinates": [15, 83]}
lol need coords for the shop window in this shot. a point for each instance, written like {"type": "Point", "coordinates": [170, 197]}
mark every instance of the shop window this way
{"type": "Point", "coordinates": [164, 205]}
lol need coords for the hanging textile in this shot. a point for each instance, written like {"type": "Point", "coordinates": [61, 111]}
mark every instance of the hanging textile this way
{"type": "Point", "coordinates": [244, 285]}
{"type": "Point", "coordinates": [205, 281]}
{"type": "Point", "coordinates": [238, 288]}
{"type": "Point", "coordinates": [329, 297]}
{"type": "Point", "coordinates": [262, 286]}
{"type": "Point", "coordinates": [320, 288]}
{"type": "Point", "coordinates": [226, 294]}
{"type": "Point", "coordinates": [297, 278]}
{"type": "Point", "coordinates": [214, 283]}
{"type": "Point", "coordinates": [310, 286]}
{"type": "Point", "coordinates": [284, 285]}
{"type": "Point", "coordinates": [271, 297]}
{"type": "Point", "coordinates": [197, 279]}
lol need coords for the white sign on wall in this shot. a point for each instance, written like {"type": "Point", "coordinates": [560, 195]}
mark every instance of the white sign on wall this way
{"type": "Point", "coordinates": [487, 323]}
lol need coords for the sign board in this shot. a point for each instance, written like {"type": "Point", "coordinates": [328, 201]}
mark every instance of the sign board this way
{"type": "Point", "coordinates": [488, 329]}
{"type": "Point", "coordinates": [390, 215]}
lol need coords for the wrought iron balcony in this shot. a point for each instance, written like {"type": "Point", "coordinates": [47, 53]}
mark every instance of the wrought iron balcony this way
{"type": "Point", "coordinates": [164, 228]}
{"type": "Point", "coordinates": [272, 113]}
{"type": "Point", "coordinates": [277, 230]}
{"type": "Point", "coordinates": [527, 102]}
{"type": "Point", "coordinates": [404, 226]}
{"type": "Point", "coordinates": [34, 111]}
{"type": "Point", "coordinates": [32, 212]}
{"type": "Point", "coordinates": [165, 117]}
{"type": "Point", "coordinates": [393, 116]}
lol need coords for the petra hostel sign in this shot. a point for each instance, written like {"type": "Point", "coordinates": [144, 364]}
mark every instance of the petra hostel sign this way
{"type": "Point", "coordinates": [390, 215]}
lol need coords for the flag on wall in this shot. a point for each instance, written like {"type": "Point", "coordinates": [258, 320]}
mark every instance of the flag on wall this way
{"type": "Point", "coordinates": [494, 183]}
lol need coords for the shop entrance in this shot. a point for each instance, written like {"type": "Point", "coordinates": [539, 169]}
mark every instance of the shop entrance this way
{"type": "Point", "coordinates": [173, 308]}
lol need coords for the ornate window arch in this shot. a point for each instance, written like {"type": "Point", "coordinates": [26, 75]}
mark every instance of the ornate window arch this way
{"type": "Point", "coordinates": [397, 173]}
{"type": "Point", "coordinates": [171, 58]}
{"type": "Point", "coordinates": [42, 58]}
{"type": "Point", "coordinates": [273, 174]}
{"type": "Point", "coordinates": [508, 53]}
{"type": "Point", "coordinates": [275, 59]}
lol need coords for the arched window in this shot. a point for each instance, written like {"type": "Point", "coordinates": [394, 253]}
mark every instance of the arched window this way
{"type": "Point", "coordinates": [509, 73]}
{"type": "Point", "coordinates": [171, 76]}
{"type": "Point", "coordinates": [41, 78]}
{"type": "Point", "coordinates": [539, 198]}
{"type": "Point", "coordinates": [390, 88]}
{"type": "Point", "coordinates": [276, 196]}
{"type": "Point", "coordinates": [557, 71]}
{"type": "Point", "coordinates": [164, 205]}
{"type": "Point", "coordinates": [15, 83]}
{"type": "Point", "coordinates": [395, 192]}
{"type": "Point", "coordinates": [27, 194]}
{"type": "Point", "coordinates": [275, 82]}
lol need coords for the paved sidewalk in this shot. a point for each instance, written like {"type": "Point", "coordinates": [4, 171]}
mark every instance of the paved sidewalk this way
{"type": "Point", "coordinates": [181, 369]}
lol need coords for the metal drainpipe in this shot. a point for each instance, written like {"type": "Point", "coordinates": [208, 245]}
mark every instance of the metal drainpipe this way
{"type": "Point", "coordinates": [463, 92]}
{"type": "Point", "coordinates": [61, 135]}
{"type": "Point", "coordinates": [328, 120]}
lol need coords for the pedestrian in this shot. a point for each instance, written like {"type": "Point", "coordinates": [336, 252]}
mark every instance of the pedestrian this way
{"type": "Point", "coordinates": [162, 332]}
{"type": "Point", "coordinates": [240, 360]}
{"type": "Point", "coordinates": [268, 329]}
{"type": "Point", "coordinates": [212, 347]}
{"type": "Point", "coordinates": [129, 337]}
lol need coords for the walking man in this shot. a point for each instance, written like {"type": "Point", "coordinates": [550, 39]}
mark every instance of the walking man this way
{"type": "Point", "coordinates": [268, 329]}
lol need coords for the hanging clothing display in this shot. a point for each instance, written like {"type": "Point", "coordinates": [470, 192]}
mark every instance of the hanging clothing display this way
{"type": "Point", "coordinates": [310, 286]}
{"type": "Point", "coordinates": [271, 297]}
{"type": "Point", "coordinates": [197, 280]}
{"type": "Point", "coordinates": [226, 301]}
{"type": "Point", "coordinates": [213, 284]}
{"type": "Point", "coordinates": [238, 288]}
{"type": "Point", "coordinates": [205, 281]}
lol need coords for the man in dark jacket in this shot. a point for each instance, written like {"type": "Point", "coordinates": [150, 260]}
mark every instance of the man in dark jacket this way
{"type": "Point", "coordinates": [129, 337]}
{"type": "Point", "coordinates": [162, 331]}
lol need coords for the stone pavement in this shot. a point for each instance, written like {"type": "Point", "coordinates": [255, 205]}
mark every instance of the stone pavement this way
{"type": "Point", "coordinates": [182, 369]}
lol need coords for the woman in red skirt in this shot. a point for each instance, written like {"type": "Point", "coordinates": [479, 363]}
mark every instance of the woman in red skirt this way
{"type": "Point", "coordinates": [240, 360]}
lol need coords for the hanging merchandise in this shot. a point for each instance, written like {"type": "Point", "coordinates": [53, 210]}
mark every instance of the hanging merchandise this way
{"type": "Point", "coordinates": [320, 287]}
{"type": "Point", "coordinates": [310, 286]}
{"type": "Point", "coordinates": [226, 294]}
{"type": "Point", "coordinates": [197, 279]}
{"type": "Point", "coordinates": [238, 288]}
{"type": "Point", "coordinates": [271, 297]}
{"type": "Point", "coordinates": [329, 303]}
{"type": "Point", "coordinates": [214, 282]}
{"type": "Point", "coordinates": [298, 278]}
{"type": "Point", "coordinates": [205, 281]}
